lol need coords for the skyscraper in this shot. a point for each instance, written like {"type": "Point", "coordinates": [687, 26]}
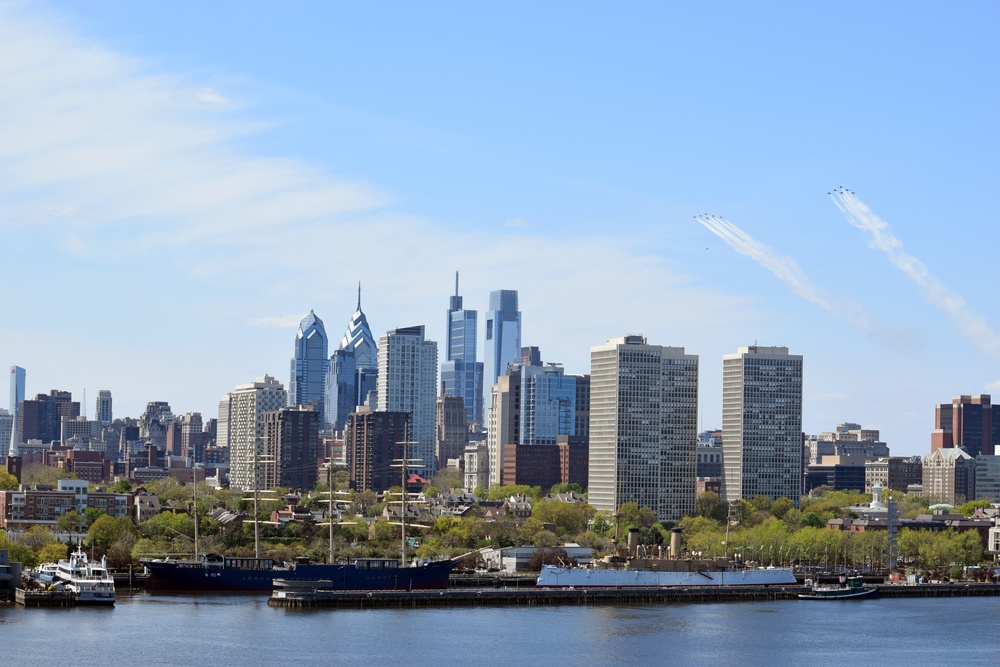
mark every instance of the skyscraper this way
{"type": "Point", "coordinates": [461, 374]}
{"type": "Point", "coordinates": [503, 338]}
{"type": "Point", "coordinates": [247, 405]}
{"type": "Point", "coordinates": [762, 424]}
{"type": "Point", "coordinates": [407, 382]}
{"type": "Point", "coordinates": [309, 365]}
{"type": "Point", "coordinates": [102, 411]}
{"type": "Point", "coordinates": [373, 440]}
{"type": "Point", "coordinates": [291, 438]}
{"type": "Point", "coordinates": [643, 427]}
{"type": "Point", "coordinates": [969, 422]}
{"type": "Point", "coordinates": [16, 387]}
{"type": "Point", "coordinates": [352, 370]}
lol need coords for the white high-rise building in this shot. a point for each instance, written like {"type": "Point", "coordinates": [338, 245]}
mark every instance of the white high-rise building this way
{"type": "Point", "coordinates": [762, 424]}
{"type": "Point", "coordinates": [102, 411]}
{"type": "Point", "coordinates": [643, 427]}
{"type": "Point", "coordinates": [6, 425]}
{"type": "Point", "coordinates": [407, 382]}
{"type": "Point", "coordinates": [247, 405]}
{"type": "Point", "coordinates": [222, 423]}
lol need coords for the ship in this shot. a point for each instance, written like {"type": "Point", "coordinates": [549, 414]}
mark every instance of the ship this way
{"type": "Point", "coordinates": [235, 574]}
{"type": "Point", "coordinates": [657, 567]}
{"type": "Point", "coordinates": [89, 582]}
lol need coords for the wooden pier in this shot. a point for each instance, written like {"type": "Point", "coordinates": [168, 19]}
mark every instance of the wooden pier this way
{"type": "Point", "coordinates": [44, 598]}
{"type": "Point", "coordinates": [319, 598]}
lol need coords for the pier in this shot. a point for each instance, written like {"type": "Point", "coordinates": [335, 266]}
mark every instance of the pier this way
{"type": "Point", "coordinates": [319, 598]}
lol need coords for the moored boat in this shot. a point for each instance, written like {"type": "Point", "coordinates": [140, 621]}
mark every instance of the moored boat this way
{"type": "Point", "coordinates": [852, 588]}
{"type": "Point", "coordinates": [90, 582]}
{"type": "Point", "coordinates": [217, 573]}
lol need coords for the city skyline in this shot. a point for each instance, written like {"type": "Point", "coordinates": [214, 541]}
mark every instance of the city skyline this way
{"type": "Point", "coordinates": [203, 176]}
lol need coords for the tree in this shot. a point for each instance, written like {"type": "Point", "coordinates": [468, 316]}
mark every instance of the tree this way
{"type": "Point", "coordinates": [38, 473]}
{"type": "Point", "coordinates": [707, 504]}
{"type": "Point", "coordinates": [121, 486]}
{"type": "Point", "coordinates": [92, 514]}
{"type": "Point", "coordinates": [549, 556]}
{"type": "Point", "coordinates": [969, 508]}
{"type": "Point", "coordinates": [53, 553]}
{"type": "Point", "coordinates": [37, 538]}
{"type": "Point", "coordinates": [7, 481]}
{"type": "Point", "coordinates": [569, 518]}
{"type": "Point", "coordinates": [633, 516]}
{"type": "Point", "coordinates": [107, 530]}
{"type": "Point", "coordinates": [69, 522]}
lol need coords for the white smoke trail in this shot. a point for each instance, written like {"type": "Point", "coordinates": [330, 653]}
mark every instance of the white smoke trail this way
{"type": "Point", "coordinates": [972, 325]}
{"type": "Point", "coordinates": [789, 272]}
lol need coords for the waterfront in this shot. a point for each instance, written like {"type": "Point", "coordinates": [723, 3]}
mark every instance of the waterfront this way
{"type": "Point", "coordinates": [201, 629]}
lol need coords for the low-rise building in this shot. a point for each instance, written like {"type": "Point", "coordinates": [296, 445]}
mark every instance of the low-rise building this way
{"type": "Point", "coordinates": [21, 510]}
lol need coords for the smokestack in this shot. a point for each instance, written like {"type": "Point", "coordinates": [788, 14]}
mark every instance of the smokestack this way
{"type": "Point", "coordinates": [675, 543]}
{"type": "Point", "coordinates": [633, 542]}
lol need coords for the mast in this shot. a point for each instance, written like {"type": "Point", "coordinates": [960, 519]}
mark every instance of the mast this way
{"type": "Point", "coordinates": [404, 466]}
{"type": "Point", "coordinates": [256, 493]}
{"type": "Point", "coordinates": [194, 510]}
{"type": "Point", "coordinates": [329, 515]}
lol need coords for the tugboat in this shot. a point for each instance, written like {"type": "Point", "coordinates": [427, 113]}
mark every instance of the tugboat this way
{"type": "Point", "coordinates": [854, 588]}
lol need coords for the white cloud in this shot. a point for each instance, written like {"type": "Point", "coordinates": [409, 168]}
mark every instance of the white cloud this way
{"type": "Point", "coordinates": [516, 223]}
{"type": "Point", "coordinates": [210, 96]}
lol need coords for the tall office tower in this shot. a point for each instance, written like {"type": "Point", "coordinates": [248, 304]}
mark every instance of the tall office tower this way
{"type": "Point", "coordinates": [407, 382]}
{"type": "Point", "coordinates": [643, 427]}
{"type": "Point", "coordinates": [949, 476]}
{"type": "Point", "coordinates": [291, 437]}
{"type": "Point", "coordinates": [352, 371]}
{"type": "Point", "coordinates": [451, 430]}
{"type": "Point", "coordinates": [969, 422]}
{"type": "Point", "coordinates": [153, 421]}
{"type": "Point", "coordinates": [102, 411]}
{"type": "Point", "coordinates": [307, 385]}
{"type": "Point", "coordinates": [373, 440]}
{"type": "Point", "coordinates": [461, 374]}
{"type": "Point", "coordinates": [16, 387]}
{"type": "Point", "coordinates": [762, 424]}
{"type": "Point", "coordinates": [6, 426]}
{"type": "Point", "coordinates": [222, 422]}
{"type": "Point", "coordinates": [247, 405]}
{"type": "Point", "coordinates": [503, 423]}
{"type": "Point", "coordinates": [192, 433]}
{"type": "Point", "coordinates": [503, 338]}
{"type": "Point", "coordinates": [41, 418]}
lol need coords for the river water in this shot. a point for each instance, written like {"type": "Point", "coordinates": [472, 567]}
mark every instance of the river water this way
{"type": "Point", "coordinates": [241, 630]}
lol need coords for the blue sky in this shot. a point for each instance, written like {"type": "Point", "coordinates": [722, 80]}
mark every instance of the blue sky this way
{"type": "Point", "coordinates": [180, 182]}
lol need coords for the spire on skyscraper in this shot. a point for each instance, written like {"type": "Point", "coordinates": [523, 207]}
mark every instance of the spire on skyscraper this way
{"type": "Point", "coordinates": [359, 296]}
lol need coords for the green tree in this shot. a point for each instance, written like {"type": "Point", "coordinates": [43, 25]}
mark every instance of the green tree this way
{"type": "Point", "coordinates": [7, 481]}
{"type": "Point", "coordinates": [37, 537]}
{"type": "Point", "coordinates": [107, 530]}
{"type": "Point", "coordinates": [38, 473]}
{"type": "Point", "coordinates": [121, 486]}
{"type": "Point", "coordinates": [92, 514]}
{"type": "Point", "coordinates": [569, 518]}
{"type": "Point", "coordinates": [53, 552]}
{"type": "Point", "coordinates": [969, 508]}
{"type": "Point", "coordinates": [69, 522]}
{"type": "Point", "coordinates": [707, 503]}
{"type": "Point", "coordinates": [633, 516]}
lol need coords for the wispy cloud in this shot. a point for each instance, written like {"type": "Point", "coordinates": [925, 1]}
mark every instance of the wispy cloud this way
{"type": "Point", "coordinates": [972, 325]}
{"type": "Point", "coordinates": [789, 272]}
{"type": "Point", "coordinates": [143, 160]}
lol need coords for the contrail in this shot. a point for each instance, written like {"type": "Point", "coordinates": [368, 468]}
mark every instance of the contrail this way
{"type": "Point", "coordinates": [972, 325]}
{"type": "Point", "coordinates": [789, 272]}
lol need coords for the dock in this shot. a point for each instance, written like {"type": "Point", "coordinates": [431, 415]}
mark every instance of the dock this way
{"type": "Point", "coordinates": [318, 598]}
{"type": "Point", "coordinates": [29, 598]}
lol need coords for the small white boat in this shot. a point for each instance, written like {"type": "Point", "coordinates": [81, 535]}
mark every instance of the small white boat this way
{"type": "Point", "coordinates": [91, 582]}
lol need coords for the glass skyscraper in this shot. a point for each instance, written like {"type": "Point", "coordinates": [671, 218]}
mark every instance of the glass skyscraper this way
{"type": "Point", "coordinates": [16, 387]}
{"type": "Point", "coordinates": [352, 372]}
{"type": "Point", "coordinates": [307, 385]}
{"type": "Point", "coordinates": [461, 374]}
{"type": "Point", "coordinates": [503, 337]}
